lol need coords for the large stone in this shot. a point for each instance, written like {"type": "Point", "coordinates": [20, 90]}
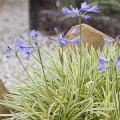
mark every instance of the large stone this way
{"type": "Point", "coordinates": [90, 35]}
{"type": "Point", "coordinates": [3, 91]}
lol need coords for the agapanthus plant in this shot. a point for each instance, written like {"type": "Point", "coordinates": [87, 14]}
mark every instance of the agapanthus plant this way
{"type": "Point", "coordinates": [81, 12]}
{"type": "Point", "coordinates": [67, 95]}
{"type": "Point", "coordinates": [86, 89]}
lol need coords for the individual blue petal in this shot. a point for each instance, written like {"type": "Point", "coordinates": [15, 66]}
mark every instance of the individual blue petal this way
{"type": "Point", "coordinates": [75, 10]}
{"type": "Point", "coordinates": [68, 12]}
{"type": "Point", "coordinates": [21, 44]}
{"type": "Point", "coordinates": [34, 34]}
{"type": "Point", "coordinates": [72, 12]}
{"type": "Point", "coordinates": [102, 68]}
{"type": "Point", "coordinates": [62, 40]}
{"type": "Point", "coordinates": [75, 31]}
{"type": "Point", "coordinates": [85, 17]}
{"type": "Point", "coordinates": [118, 59]}
{"type": "Point", "coordinates": [107, 41]}
{"type": "Point", "coordinates": [94, 8]}
{"type": "Point", "coordinates": [75, 40]}
{"type": "Point", "coordinates": [84, 6]}
{"type": "Point", "coordinates": [102, 60]}
{"type": "Point", "coordinates": [8, 48]}
{"type": "Point", "coordinates": [65, 10]}
{"type": "Point", "coordinates": [28, 51]}
{"type": "Point", "coordinates": [118, 63]}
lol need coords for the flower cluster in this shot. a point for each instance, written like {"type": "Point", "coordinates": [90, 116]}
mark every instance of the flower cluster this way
{"type": "Point", "coordinates": [102, 61]}
{"type": "Point", "coordinates": [34, 34]}
{"type": "Point", "coordinates": [63, 40]}
{"type": "Point", "coordinates": [118, 63]}
{"type": "Point", "coordinates": [85, 8]}
{"type": "Point", "coordinates": [21, 45]}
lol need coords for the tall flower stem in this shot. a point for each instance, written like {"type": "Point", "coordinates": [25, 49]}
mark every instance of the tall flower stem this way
{"type": "Point", "coordinates": [80, 42]}
{"type": "Point", "coordinates": [40, 58]}
{"type": "Point", "coordinates": [80, 21]}
{"type": "Point", "coordinates": [80, 82]}
{"type": "Point", "coordinates": [62, 60]}
{"type": "Point", "coordinates": [116, 93]}
{"type": "Point", "coordinates": [22, 64]}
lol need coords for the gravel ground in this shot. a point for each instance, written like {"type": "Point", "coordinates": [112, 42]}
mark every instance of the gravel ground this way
{"type": "Point", "coordinates": [14, 21]}
{"type": "Point", "coordinates": [11, 68]}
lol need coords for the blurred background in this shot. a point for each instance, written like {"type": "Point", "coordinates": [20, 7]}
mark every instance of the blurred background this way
{"type": "Point", "coordinates": [45, 14]}
{"type": "Point", "coordinates": [18, 17]}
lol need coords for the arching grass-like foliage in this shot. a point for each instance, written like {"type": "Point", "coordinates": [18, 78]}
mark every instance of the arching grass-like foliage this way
{"type": "Point", "coordinates": [71, 90]}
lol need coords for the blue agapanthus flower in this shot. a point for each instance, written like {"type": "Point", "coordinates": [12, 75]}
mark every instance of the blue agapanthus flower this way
{"type": "Point", "coordinates": [75, 31]}
{"type": "Point", "coordinates": [102, 60]}
{"type": "Point", "coordinates": [28, 51]}
{"type": "Point", "coordinates": [34, 34]}
{"type": "Point", "coordinates": [23, 46]}
{"type": "Point", "coordinates": [75, 40]}
{"type": "Point", "coordinates": [107, 41]}
{"type": "Point", "coordinates": [74, 12]}
{"type": "Point", "coordinates": [85, 17]}
{"type": "Point", "coordinates": [84, 7]}
{"type": "Point", "coordinates": [94, 9]}
{"type": "Point", "coordinates": [118, 63]}
{"type": "Point", "coordinates": [19, 45]}
{"type": "Point", "coordinates": [62, 40]}
{"type": "Point", "coordinates": [102, 68]}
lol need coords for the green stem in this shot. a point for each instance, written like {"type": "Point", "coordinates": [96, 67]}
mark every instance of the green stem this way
{"type": "Point", "coordinates": [80, 54]}
{"type": "Point", "coordinates": [80, 38]}
{"type": "Point", "coordinates": [62, 60]}
{"type": "Point", "coordinates": [117, 93]}
{"type": "Point", "coordinates": [80, 21]}
{"type": "Point", "coordinates": [39, 54]}
{"type": "Point", "coordinates": [22, 64]}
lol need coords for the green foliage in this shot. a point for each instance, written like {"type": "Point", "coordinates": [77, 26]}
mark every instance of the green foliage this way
{"type": "Point", "coordinates": [76, 92]}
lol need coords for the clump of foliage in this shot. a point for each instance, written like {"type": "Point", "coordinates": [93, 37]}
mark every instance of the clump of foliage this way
{"type": "Point", "coordinates": [77, 84]}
